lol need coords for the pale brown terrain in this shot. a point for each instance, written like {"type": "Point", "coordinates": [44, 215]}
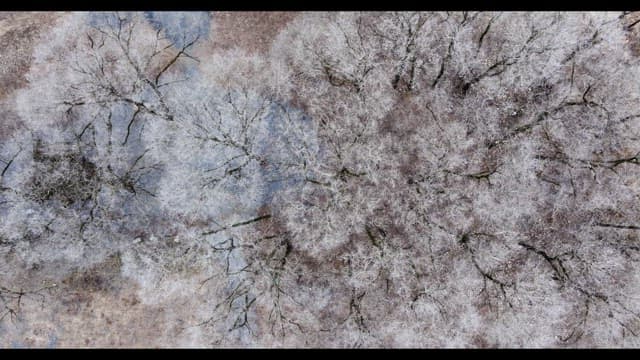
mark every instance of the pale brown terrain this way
{"type": "Point", "coordinates": [18, 35]}
{"type": "Point", "coordinates": [250, 31]}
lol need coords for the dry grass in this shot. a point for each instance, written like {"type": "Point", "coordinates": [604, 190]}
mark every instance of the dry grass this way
{"type": "Point", "coordinates": [18, 36]}
{"type": "Point", "coordinates": [251, 31]}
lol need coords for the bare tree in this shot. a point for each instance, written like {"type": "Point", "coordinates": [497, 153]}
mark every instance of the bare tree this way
{"type": "Point", "coordinates": [373, 178]}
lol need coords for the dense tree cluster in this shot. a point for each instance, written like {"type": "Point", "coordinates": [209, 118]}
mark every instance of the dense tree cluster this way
{"type": "Point", "coordinates": [374, 179]}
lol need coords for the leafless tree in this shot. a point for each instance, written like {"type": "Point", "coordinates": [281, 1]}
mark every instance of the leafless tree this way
{"type": "Point", "coordinates": [373, 178]}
